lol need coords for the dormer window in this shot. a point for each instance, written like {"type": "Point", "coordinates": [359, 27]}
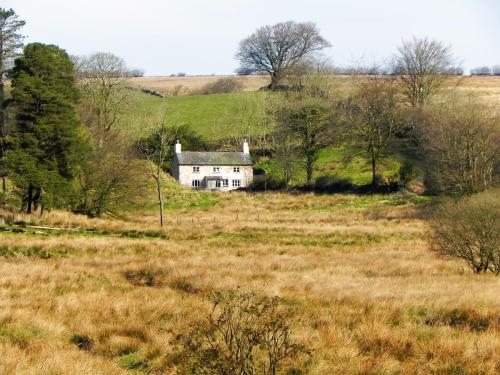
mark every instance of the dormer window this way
{"type": "Point", "coordinates": [196, 169]}
{"type": "Point", "coordinates": [236, 169]}
{"type": "Point", "coordinates": [216, 169]}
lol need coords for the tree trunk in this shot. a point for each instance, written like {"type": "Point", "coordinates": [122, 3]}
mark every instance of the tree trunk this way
{"type": "Point", "coordinates": [160, 197]}
{"type": "Point", "coordinates": [309, 170]}
{"type": "Point", "coordinates": [30, 199]}
{"type": "Point", "coordinates": [2, 117]}
{"type": "Point", "coordinates": [374, 170]}
{"type": "Point", "coordinates": [274, 81]}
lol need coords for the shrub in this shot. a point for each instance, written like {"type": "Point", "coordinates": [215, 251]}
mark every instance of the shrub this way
{"type": "Point", "coordinates": [406, 173]}
{"type": "Point", "coordinates": [82, 342]}
{"type": "Point", "coordinates": [141, 278]}
{"type": "Point", "coordinates": [243, 334]}
{"type": "Point", "coordinates": [222, 85]}
{"type": "Point", "coordinates": [266, 182]}
{"type": "Point", "coordinates": [34, 252]}
{"type": "Point", "coordinates": [183, 284]}
{"type": "Point", "coordinates": [468, 229]}
{"type": "Point", "coordinates": [133, 361]}
{"type": "Point", "coordinates": [459, 318]}
{"type": "Point", "coordinates": [332, 184]}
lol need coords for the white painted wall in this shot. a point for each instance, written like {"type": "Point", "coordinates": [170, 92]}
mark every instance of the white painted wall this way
{"type": "Point", "coordinates": [185, 175]}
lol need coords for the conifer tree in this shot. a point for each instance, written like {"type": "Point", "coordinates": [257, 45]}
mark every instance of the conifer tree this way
{"type": "Point", "coordinates": [47, 146]}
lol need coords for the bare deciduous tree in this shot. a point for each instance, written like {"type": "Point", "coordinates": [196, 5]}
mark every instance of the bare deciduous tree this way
{"type": "Point", "coordinates": [102, 76]}
{"type": "Point", "coordinates": [111, 176]}
{"type": "Point", "coordinates": [278, 48]}
{"type": "Point", "coordinates": [308, 124]}
{"type": "Point", "coordinates": [374, 118]}
{"type": "Point", "coordinates": [422, 66]}
{"type": "Point", "coordinates": [468, 230]}
{"type": "Point", "coordinates": [461, 148]}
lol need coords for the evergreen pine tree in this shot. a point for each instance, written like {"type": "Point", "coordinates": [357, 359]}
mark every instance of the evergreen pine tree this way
{"type": "Point", "coordinates": [47, 146]}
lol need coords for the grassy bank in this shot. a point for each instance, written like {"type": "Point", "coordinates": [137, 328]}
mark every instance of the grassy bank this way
{"type": "Point", "coordinates": [212, 116]}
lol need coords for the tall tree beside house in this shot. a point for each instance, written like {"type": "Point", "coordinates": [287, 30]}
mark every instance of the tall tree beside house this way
{"type": "Point", "coordinates": [11, 42]}
{"type": "Point", "coordinates": [279, 48]}
{"type": "Point", "coordinates": [47, 146]}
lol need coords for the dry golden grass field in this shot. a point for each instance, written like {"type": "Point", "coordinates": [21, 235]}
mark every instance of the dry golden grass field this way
{"type": "Point", "coordinates": [186, 85]}
{"type": "Point", "coordinates": [487, 87]}
{"type": "Point", "coordinates": [356, 272]}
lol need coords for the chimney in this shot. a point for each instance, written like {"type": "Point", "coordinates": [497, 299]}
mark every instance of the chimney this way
{"type": "Point", "coordinates": [246, 149]}
{"type": "Point", "coordinates": [177, 147]}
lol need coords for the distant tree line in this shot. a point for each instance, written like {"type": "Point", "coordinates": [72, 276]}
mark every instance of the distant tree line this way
{"type": "Point", "coordinates": [486, 71]}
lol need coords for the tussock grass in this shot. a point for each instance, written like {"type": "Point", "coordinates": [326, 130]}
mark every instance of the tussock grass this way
{"type": "Point", "coordinates": [356, 274]}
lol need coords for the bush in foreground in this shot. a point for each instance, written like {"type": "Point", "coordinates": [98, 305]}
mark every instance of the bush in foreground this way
{"type": "Point", "coordinates": [469, 229]}
{"type": "Point", "coordinates": [244, 334]}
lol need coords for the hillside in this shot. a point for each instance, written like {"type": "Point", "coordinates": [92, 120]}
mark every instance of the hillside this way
{"type": "Point", "coordinates": [212, 116]}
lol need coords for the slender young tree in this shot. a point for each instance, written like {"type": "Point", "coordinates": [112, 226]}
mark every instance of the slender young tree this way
{"type": "Point", "coordinates": [11, 42]}
{"type": "Point", "coordinates": [47, 143]}
{"type": "Point", "coordinates": [156, 148]}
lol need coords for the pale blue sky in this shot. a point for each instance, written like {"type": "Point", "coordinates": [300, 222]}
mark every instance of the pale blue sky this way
{"type": "Point", "coordinates": [201, 36]}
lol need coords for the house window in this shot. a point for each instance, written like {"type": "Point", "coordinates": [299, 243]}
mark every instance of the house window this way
{"type": "Point", "coordinates": [225, 183]}
{"type": "Point", "coordinates": [196, 169]}
{"type": "Point", "coordinates": [236, 169]}
{"type": "Point", "coordinates": [236, 183]}
{"type": "Point", "coordinates": [216, 169]}
{"type": "Point", "coordinates": [217, 183]}
{"type": "Point", "coordinates": [196, 183]}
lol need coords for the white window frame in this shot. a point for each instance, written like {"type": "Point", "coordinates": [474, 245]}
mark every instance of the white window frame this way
{"type": "Point", "coordinates": [216, 169]}
{"type": "Point", "coordinates": [196, 169]}
{"type": "Point", "coordinates": [196, 183]}
{"type": "Point", "coordinates": [236, 183]}
{"type": "Point", "coordinates": [236, 169]}
{"type": "Point", "coordinates": [225, 183]}
{"type": "Point", "coordinates": [218, 184]}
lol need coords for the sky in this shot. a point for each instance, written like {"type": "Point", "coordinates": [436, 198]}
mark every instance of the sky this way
{"type": "Point", "coordinates": [201, 36]}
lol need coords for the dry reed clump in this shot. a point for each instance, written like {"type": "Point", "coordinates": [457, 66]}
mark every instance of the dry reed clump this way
{"type": "Point", "coordinates": [366, 292]}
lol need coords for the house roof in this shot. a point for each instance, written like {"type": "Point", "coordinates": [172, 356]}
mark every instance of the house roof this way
{"type": "Point", "coordinates": [213, 158]}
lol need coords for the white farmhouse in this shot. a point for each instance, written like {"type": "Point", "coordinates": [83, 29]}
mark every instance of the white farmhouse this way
{"type": "Point", "coordinates": [213, 170]}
